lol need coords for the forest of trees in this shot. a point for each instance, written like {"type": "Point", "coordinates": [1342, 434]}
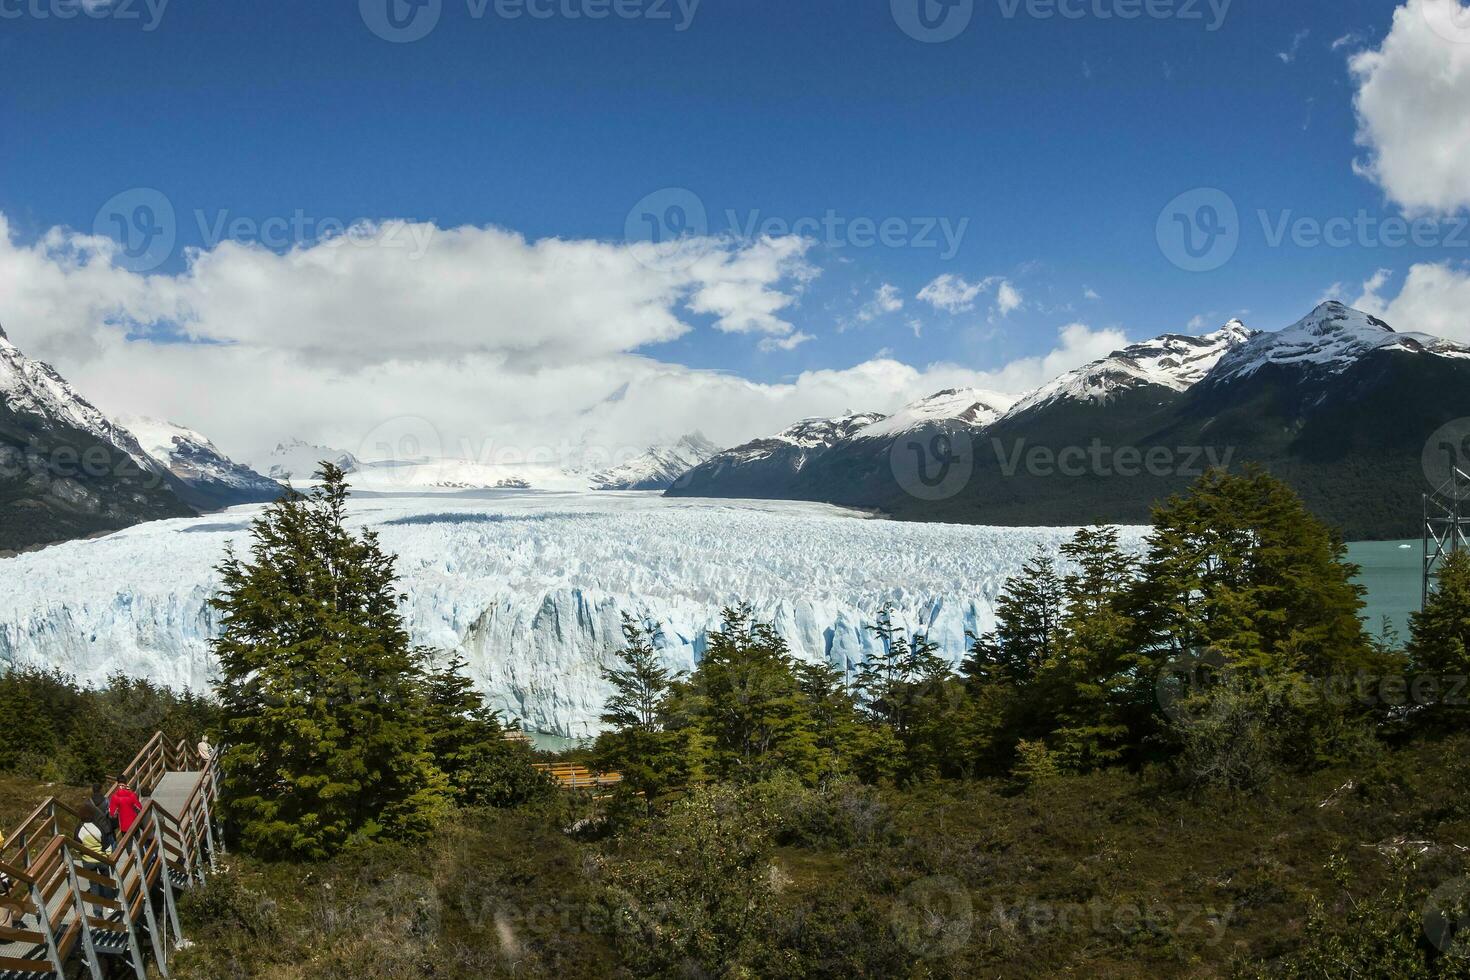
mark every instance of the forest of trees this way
{"type": "Point", "coordinates": [1231, 648]}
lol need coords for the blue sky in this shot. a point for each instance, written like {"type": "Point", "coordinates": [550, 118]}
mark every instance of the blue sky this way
{"type": "Point", "coordinates": [1055, 143]}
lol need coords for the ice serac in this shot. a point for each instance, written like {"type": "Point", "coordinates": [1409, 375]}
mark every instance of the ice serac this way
{"type": "Point", "coordinates": [531, 587]}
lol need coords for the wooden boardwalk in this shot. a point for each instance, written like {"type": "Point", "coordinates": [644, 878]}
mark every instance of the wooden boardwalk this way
{"type": "Point", "coordinates": [75, 909]}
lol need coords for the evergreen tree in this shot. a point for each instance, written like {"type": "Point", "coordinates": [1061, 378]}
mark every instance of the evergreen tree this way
{"type": "Point", "coordinates": [746, 704]}
{"type": "Point", "coordinates": [894, 677]}
{"type": "Point", "coordinates": [1439, 636]}
{"type": "Point", "coordinates": [640, 685]}
{"type": "Point", "coordinates": [650, 758]}
{"type": "Point", "coordinates": [321, 691]}
{"type": "Point", "coordinates": [1028, 618]}
{"type": "Point", "coordinates": [469, 743]}
{"type": "Point", "coordinates": [1239, 565]}
{"type": "Point", "coordinates": [1087, 681]}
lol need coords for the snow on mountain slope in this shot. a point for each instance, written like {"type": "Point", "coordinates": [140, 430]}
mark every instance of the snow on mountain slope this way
{"type": "Point", "coordinates": [463, 474]}
{"type": "Point", "coordinates": [1327, 341]}
{"type": "Point", "coordinates": [297, 461]}
{"type": "Point", "coordinates": [974, 407]}
{"type": "Point", "coordinates": [193, 458]}
{"type": "Point", "coordinates": [531, 587]}
{"type": "Point", "coordinates": [659, 467]}
{"type": "Point", "coordinates": [31, 387]}
{"type": "Point", "coordinates": [1174, 361]}
{"type": "Point", "coordinates": [805, 437]}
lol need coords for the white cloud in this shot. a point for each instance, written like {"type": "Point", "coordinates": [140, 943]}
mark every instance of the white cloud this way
{"type": "Point", "coordinates": [1411, 99]}
{"type": "Point", "coordinates": [1089, 293]}
{"type": "Point", "coordinates": [1348, 40]}
{"type": "Point", "coordinates": [1435, 299]}
{"type": "Point", "coordinates": [1294, 48]}
{"type": "Point", "coordinates": [886, 300]}
{"type": "Point", "coordinates": [952, 294]}
{"type": "Point", "coordinates": [1008, 299]}
{"type": "Point", "coordinates": [504, 346]}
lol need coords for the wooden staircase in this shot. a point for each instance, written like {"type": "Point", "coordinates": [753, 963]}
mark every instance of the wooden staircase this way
{"type": "Point", "coordinates": [77, 908]}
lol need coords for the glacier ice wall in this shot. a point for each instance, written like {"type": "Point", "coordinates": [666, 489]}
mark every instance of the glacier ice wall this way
{"type": "Point", "coordinates": [531, 587]}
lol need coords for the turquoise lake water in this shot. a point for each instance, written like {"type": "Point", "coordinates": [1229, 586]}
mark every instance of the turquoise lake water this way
{"type": "Point", "coordinates": [1392, 574]}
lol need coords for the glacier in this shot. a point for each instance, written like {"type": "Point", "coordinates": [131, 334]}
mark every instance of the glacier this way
{"type": "Point", "coordinates": [531, 586]}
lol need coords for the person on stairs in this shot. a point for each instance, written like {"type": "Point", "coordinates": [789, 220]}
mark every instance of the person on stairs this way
{"type": "Point", "coordinates": [124, 805]}
{"type": "Point", "coordinates": [89, 835]}
{"type": "Point", "coordinates": [96, 808]}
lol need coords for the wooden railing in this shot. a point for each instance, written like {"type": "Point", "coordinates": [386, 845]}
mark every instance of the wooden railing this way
{"type": "Point", "coordinates": [568, 775]}
{"type": "Point", "coordinates": [85, 904]}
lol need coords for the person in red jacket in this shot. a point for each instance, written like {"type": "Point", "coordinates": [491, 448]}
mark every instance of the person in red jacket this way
{"type": "Point", "coordinates": [124, 806]}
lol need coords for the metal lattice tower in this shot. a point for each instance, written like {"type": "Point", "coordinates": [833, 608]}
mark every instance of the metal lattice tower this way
{"type": "Point", "coordinates": [1446, 524]}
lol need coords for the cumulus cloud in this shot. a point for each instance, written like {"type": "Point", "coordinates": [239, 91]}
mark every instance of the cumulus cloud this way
{"type": "Point", "coordinates": [1435, 299]}
{"type": "Point", "coordinates": [507, 348]}
{"type": "Point", "coordinates": [952, 294]}
{"type": "Point", "coordinates": [1411, 97]}
{"type": "Point", "coordinates": [1008, 299]}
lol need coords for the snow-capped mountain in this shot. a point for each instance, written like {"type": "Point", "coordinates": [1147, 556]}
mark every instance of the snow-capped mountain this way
{"type": "Point", "coordinates": [1339, 405]}
{"type": "Point", "coordinates": [31, 387]}
{"type": "Point", "coordinates": [211, 479]}
{"type": "Point", "coordinates": [1175, 362]}
{"type": "Point", "coordinates": [659, 467]}
{"type": "Point", "coordinates": [297, 461]}
{"type": "Point", "coordinates": [66, 469]}
{"type": "Point", "coordinates": [973, 407]}
{"type": "Point", "coordinates": [1328, 341]}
